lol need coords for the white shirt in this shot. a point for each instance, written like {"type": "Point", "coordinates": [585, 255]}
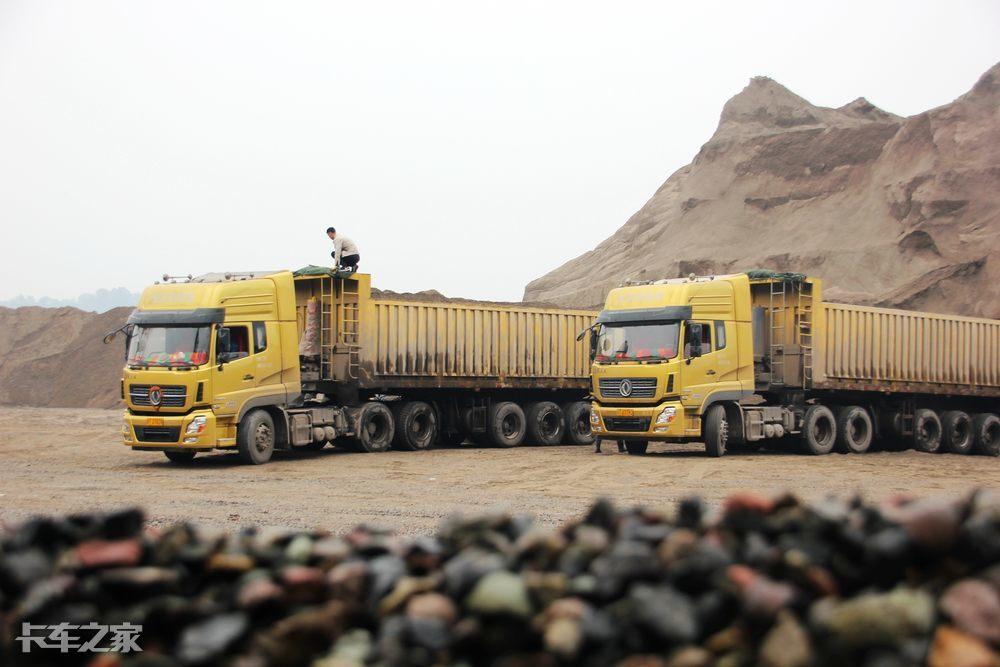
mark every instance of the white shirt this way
{"type": "Point", "coordinates": [342, 247]}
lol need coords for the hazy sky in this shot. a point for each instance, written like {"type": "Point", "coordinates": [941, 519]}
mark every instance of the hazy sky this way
{"type": "Point", "coordinates": [465, 146]}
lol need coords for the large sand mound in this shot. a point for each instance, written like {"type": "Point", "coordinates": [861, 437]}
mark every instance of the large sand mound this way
{"type": "Point", "coordinates": [890, 211]}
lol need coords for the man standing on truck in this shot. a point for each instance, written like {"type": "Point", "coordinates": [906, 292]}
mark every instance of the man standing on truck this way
{"type": "Point", "coordinates": [345, 252]}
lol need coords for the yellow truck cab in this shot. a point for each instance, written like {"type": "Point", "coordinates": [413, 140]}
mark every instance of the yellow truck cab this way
{"type": "Point", "coordinates": [280, 360]}
{"type": "Point", "coordinates": [737, 360]}
{"type": "Point", "coordinates": [201, 354]}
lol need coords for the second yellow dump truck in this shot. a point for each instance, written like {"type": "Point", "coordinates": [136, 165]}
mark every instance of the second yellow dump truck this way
{"type": "Point", "coordinates": [276, 360]}
{"type": "Point", "coordinates": [741, 360]}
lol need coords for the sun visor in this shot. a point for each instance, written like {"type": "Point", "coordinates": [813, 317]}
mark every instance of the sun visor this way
{"type": "Point", "coordinates": [194, 317]}
{"type": "Point", "coordinates": [645, 315]}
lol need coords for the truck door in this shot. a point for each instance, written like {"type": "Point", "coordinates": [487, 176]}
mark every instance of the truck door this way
{"type": "Point", "coordinates": [699, 371]}
{"type": "Point", "coordinates": [234, 379]}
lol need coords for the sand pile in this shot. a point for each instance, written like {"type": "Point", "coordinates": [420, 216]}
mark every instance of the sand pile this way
{"type": "Point", "coordinates": [892, 211]}
{"type": "Point", "coordinates": [54, 357]}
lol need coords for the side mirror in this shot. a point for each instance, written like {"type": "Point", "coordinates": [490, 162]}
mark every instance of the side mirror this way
{"type": "Point", "coordinates": [593, 346]}
{"type": "Point", "coordinates": [110, 337]}
{"type": "Point", "coordinates": [222, 345]}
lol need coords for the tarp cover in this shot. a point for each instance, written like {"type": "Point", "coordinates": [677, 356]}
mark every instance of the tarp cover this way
{"type": "Point", "coordinates": [313, 270]}
{"type": "Point", "coordinates": [766, 274]}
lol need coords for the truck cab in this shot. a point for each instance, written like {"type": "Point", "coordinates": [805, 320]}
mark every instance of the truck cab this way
{"type": "Point", "coordinates": [665, 352]}
{"type": "Point", "coordinates": [200, 354]}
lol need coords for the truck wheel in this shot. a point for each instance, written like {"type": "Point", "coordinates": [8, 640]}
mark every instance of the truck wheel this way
{"type": "Point", "coordinates": [577, 417]}
{"type": "Point", "coordinates": [986, 428]}
{"type": "Point", "coordinates": [819, 430]}
{"type": "Point", "coordinates": [715, 429]}
{"type": "Point", "coordinates": [507, 424]}
{"type": "Point", "coordinates": [546, 423]}
{"type": "Point", "coordinates": [926, 431]}
{"type": "Point", "coordinates": [854, 429]}
{"type": "Point", "coordinates": [182, 456]}
{"type": "Point", "coordinates": [374, 428]}
{"type": "Point", "coordinates": [255, 437]}
{"type": "Point", "coordinates": [416, 425]}
{"type": "Point", "coordinates": [636, 447]}
{"type": "Point", "coordinates": [956, 432]}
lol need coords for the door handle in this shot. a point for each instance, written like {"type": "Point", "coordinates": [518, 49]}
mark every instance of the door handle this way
{"type": "Point", "coordinates": [710, 372]}
{"type": "Point", "coordinates": [247, 377]}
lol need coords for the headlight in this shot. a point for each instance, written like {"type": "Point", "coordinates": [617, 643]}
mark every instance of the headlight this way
{"type": "Point", "coordinates": [594, 417]}
{"type": "Point", "coordinates": [666, 416]}
{"type": "Point", "coordinates": [126, 432]}
{"type": "Point", "coordinates": [197, 425]}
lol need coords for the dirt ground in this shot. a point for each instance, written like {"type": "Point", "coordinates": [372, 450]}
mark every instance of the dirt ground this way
{"type": "Point", "coordinates": [71, 460]}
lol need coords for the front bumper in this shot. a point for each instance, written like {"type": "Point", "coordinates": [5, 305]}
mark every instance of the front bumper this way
{"type": "Point", "coordinates": [640, 422]}
{"type": "Point", "coordinates": [170, 431]}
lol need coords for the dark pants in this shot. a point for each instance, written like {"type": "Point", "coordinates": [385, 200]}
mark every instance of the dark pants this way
{"type": "Point", "coordinates": [348, 261]}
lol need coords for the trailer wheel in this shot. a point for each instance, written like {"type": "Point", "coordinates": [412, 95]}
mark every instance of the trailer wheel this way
{"type": "Point", "coordinates": [507, 424]}
{"type": "Point", "coordinates": [416, 425]}
{"type": "Point", "coordinates": [715, 428]}
{"type": "Point", "coordinates": [926, 431]}
{"type": "Point", "coordinates": [636, 447]}
{"type": "Point", "coordinates": [546, 423]}
{"type": "Point", "coordinates": [255, 437]}
{"type": "Point", "coordinates": [854, 429]}
{"type": "Point", "coordinates": [180, 456]}
{"type": "Point", "coordinates": [577, 416]}
{"type": "Point", "coordinates": [956, 432]}
{"type": "Point", "coordinates": [374, 428]}
{"type": "Point", "coordinates": [819, 430]}
{"type": "Point", "coordinates": [987, 430]}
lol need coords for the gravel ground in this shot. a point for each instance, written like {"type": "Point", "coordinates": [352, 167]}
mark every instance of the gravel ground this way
{"type": "Point", "coordinates": [70, 460]}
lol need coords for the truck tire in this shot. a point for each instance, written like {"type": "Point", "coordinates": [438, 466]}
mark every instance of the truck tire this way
{"type": "Point", "coordinates": [255, 437]}
{"type": "Point", "coordinates": [926, 431]}
{"type": "Point", "coordinates": [636, 447]}
{"type": "Point", "coordinates": [180, 456]}
{"type": "Point", "coordinates": [986, 428]}
{"type": "Point", "coordinates": [374, 429]}
{"type": "Point", "coordinates": [956, 432]}
{"type": "Point", "coordinates": [715, 429]}
{"type": "Point", "coordinates": [854, 429]}
{"type": "Point", "coordinates": [819, 430]}
{"type": "Point", "coordinates": [546, 423]}
{"type": "Point", "coordinates": [507, 425]}
{"type": "Point", "coordinates": [416, 425]}
{"type": "Point", "coordinates": [577, 416]}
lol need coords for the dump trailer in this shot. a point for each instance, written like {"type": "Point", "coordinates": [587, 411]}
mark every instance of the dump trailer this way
{"type": "Point", "coordinates": [739, 361]}
{"type": "Point", "coordinates": [280, 360]}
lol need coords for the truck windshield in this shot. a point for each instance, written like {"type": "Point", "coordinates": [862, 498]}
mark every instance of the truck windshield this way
{"type": "Point", "coordinates": [178, 346]}
{"type": "Point", "coordinates": [637, 342]}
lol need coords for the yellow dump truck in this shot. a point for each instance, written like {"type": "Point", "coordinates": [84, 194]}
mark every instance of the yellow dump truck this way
{"type": "Point", "coordinates": [276, 360]}
{"type": "Point", "coordinates": [738, 361]}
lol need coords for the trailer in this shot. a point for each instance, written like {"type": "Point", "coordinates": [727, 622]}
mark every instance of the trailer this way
{"type": "Point", "coordinates": [275, 360]}
{"type": "Point", "coordinates": [737, 361]}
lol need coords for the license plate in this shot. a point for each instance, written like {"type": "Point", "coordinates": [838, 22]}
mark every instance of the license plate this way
{"type": "Point", "coordinates": [154, 421]}
{"type": "Point", "coordinates": [626, 413]}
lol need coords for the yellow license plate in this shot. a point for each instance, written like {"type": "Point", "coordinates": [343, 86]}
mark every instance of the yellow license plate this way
{"type": "Point", "coordinates": [154, 421]}
{"type": "Point", "coordinates": [626, 413]}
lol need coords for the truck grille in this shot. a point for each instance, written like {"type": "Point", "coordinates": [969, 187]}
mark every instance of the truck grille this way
{"type": "Point", "coordinates": [640, 424]}
{"type": "Point", "coordinates": [639, 387]}
{"type": "Point", "coordinates": [173, 395]}
{"type": "Point", "coordinates": [158, 433]}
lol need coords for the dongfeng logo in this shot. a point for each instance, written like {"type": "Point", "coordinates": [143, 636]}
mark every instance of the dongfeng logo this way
{"type": "Point", "coordinates": [155, 395]}
{"type": "Point", "coordinates": [625, 388]}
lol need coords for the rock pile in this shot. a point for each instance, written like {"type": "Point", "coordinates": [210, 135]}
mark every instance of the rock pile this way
{"type": "Point", "coordinates": [766, 581]}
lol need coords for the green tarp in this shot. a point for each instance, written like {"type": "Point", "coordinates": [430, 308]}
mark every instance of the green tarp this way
{"type": "Point", "coordinates": [765, 274]}
{"type": "Point", "coordinates": [313, 270]}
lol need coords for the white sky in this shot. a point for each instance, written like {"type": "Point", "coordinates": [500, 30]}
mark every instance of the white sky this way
{"type": "Point", "coordinates": [465, 146]}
